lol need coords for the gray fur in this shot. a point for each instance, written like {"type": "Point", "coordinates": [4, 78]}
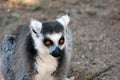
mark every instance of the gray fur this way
{"type": "Point", "coordinates": [14, 60]}
{"type": "Point", "coordinates": [8, 46]}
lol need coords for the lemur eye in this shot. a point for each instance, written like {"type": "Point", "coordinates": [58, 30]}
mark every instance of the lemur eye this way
{"type": "Point", "coordinates": [61, 41]}
{"type": "Point", "coordinates": [48, 42]}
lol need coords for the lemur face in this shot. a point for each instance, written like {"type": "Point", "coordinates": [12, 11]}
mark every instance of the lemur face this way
{"type": "Point", "coordinates": [50, 36]}
{"type": "Point", "coordinates": [55, 43]}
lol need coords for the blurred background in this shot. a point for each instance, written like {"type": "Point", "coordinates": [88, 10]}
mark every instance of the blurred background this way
{"type": "Point", "coordinates": [95, 25]}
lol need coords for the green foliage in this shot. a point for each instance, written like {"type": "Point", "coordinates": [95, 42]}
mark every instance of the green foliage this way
{"type": "Point", "coordinates": [81, 46]}
{"type": "Point", "coordinates": [88, 77]}
{"type": "Point", "coordinates": [91, 13]}
{"type": "Point", "coordinates": [20, 1]}
{"type": "Point", "coordinates": [10, 19]}
{"type": "Point", "coordinates": [7, 21]}
{"type": "Point", "coordinates": [41, 1]}
{"type": "Point", "coordinates": [118, 17]}
{"type": "Point", "coordinates": [98, 6]}
{"type": "Point", "coordinates": [35, 7]}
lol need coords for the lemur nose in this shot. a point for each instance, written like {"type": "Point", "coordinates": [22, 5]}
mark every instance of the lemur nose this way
{"type": "Point", "coordinates": [57, 52]}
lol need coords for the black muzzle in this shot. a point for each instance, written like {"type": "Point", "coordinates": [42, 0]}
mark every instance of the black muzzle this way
{"type": "Point", "coordinates": [57, 52]}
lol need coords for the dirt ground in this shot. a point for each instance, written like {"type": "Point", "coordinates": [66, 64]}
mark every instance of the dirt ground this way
{"type": "Point", "coordinates": [96, 33]}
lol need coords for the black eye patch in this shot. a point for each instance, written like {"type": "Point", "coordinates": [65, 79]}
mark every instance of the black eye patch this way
{"type": "Point", "coordinates": [34, 31]}
{"type": "Point", "coordinates": [62, 40]}
{"type": "Point", "coordinates": [47, 42]}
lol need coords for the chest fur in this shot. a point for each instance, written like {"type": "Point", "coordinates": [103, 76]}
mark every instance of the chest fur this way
{"type": "Point", "coordinates": [45, 65]}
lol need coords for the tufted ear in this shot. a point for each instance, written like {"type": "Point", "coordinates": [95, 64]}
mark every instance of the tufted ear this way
{"type": "Point", "coordinates": [64, 20]}
{"type": "Point", "coordinates": [35, 26]}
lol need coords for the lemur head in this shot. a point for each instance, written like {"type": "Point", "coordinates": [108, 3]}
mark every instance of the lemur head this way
{"type": "Point", "coordinates": [50, 36]}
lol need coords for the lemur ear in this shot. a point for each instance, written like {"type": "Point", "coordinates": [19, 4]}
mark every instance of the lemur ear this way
{"type": "Point", "coordinates": [64, 20]}
{"type": "Point", "coordinates": [35, 26]}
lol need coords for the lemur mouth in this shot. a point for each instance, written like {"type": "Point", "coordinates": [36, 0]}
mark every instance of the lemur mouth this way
{"type": "Point", "coordinates": [57, 52]}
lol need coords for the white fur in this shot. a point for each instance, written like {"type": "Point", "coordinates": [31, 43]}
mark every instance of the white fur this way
{"type": "Point", "coordinates": [55, 37]}
{"type": "Point", "coordinates": [45, 62]}
{"type": "Point", "coordinates": [36, 25]}
{"type": "Point", "coordinates": [45, 65]}
{"type": "Point", "coordinates": [64, 20]}
{"type": "Point", "coordinates": [65, 79]}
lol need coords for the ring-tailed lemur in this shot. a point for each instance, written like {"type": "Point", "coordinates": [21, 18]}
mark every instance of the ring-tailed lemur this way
{"type": "Point", "coordinates": [42, 52]}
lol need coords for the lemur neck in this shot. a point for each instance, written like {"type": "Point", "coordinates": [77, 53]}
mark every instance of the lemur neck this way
{"type": "Point", "coordinates": [43, 64]}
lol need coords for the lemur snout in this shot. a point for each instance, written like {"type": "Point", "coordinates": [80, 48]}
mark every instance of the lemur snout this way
{"type": "Point", "coordinates": [57, 52]}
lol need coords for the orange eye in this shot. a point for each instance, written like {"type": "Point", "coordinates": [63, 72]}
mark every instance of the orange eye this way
{"type": "Point", "coordinates": [61, 41]}
{"type": "Point", "coordinates": [47, 43]}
